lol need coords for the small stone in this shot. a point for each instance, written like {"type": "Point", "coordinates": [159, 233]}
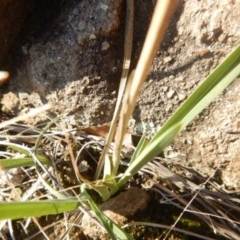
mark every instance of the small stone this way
{"type": "Point", "coordinates": [10, 103]}
{"type": "Point", "coordinates": [180, 79]}
{"type": "Point", "coordinates": [203, 52]}
{"type": "Point", "coordinates": [23, 96]}
{"type": "Point", "coordinates": [180, 30]}
{"type": "Point", "coordinates": [103, 6]}
{"type": "Point", "coordinates": [81, 25]}
{"type": "Point", "coordinates": [24, 50]}
{"type": "Point", "coordinates": [222, 38]}
{"type": "Point", "coordinates": [168, 109]}
{"type": "Point", "coordinates": [75, 11]}
{"type": "Point", "coordinates": [105, 46]}
{"type": "Point", "coordinates": [92, 37]}
{"type": "Point", "coordinates": [83, 166]}
{"type": "Point", "coordinates": [125, 204]}
{"type": "Point", "coordinates": [114, 69]}
{"type": "Point", "coordinates": [82, 89]}
{"type": "Point", "coordinates": [165, 88]}
{"type": "Point", "coordinates": [71, 91]}
{"type": "Point", "coordinates": [118, 209]}
{"type": "Point", "coordinates": [181, 96]}
{"type": "Point", "coordinates": [170, 93]}
{"type": "Point", "coordinates": [80, 39]}
{"type": "Point", "coordinates": [167, 60]}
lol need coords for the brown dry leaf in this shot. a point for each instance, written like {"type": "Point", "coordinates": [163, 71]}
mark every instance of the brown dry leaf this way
{"type": "Point", "coordinates": [101, 131]}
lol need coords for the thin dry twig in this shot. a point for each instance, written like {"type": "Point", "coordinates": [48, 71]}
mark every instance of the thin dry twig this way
{"type": "Point", "coordinates": [213, 206]}
{"type": "Point", "coordinates": [123, 81]}
{"type": "Point", "coordinates": [159, 23]}
{"type": "Point", "coordinates": [32, 113]}
{"type": "Point", "coordinates": [187, 206]}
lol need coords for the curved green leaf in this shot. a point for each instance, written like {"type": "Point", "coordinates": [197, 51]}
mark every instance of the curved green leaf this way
{"type": "Point", "coordinates": [16, 210]}
{"type": "Point", "coordinates": [23, 162]}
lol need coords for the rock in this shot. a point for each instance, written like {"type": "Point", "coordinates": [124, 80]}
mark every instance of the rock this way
{"type": "Point", "coordinates": [125, 205]}
{"type": "Point", "coordinates": [92, 37]}
{"type": "Point", "coordinates": [105, 46]}
{"type": "Point", "coordinates": [10, 103]}
{"type": "Point", "coordinates": [181, 96]}
{"type": "Point", "coordinates": [206, 32]}
{"type": "Point", "coordinates": [12, 16]}
{"type": "Point", "coordinates": [67, 52]}
{"type": "Point", "coordinates": [203, 52]}
{"type": "Point", "coordinates": [222, 38]}
{"type": "Point", "coordinates": [118, 209]}
{"type": "Point", "coordinates": [81, 25]}
{"type": "Point", "coordinates": [170, 93]}
{"type": "Point", "coordinates": [165, 88]}
{"type": "Point", "coordinates": [167, 60]}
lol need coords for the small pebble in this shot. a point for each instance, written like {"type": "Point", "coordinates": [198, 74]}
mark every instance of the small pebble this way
{"type": "Point", "coordinates": [92, 37]}
{"type": "Point", "coordinates": [222, 38]}
{"type": "Point", "coordinates": [150, 80]}
{"type": "Point", "coordinates": [81, 25]}
{"type": "Point", "coordinates": [24, 50]}
{"type": "Point", "coordinates": [104, 7]}
{"type": "Point", "coordinates": [181, 96]}
{"type": "Point", "coordinates": [170, 93]}
{"type": "Point", "coordinates": [105, 46]}
{"type": "Point", "coordinates": [168, 109]}
{"type": "Point", "coordinates": [71, 91]}
{"type": "Point", "coordinates": [75, 11]}
{"type": "Point", "coordinates": [165, 88]}
{"type": "Point", "coordinates": [80, 39]}
{"type": "Point", "coordinates": [203, 52]}
{"type": "Point", "coordinates": [167, 59]}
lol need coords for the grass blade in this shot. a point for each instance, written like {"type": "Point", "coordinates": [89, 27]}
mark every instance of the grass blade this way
{"type": "Point", "coordinates": [213, 85]}
{"type": "Point", "coordinates": [16, 210]}
{"type": "Point", "coordinates": [153, 149]}
{"type": "Point", "coordinates": [16, 147]}
{"type": "Point", "coordinates": [22, 162]}
{"type": "Point", "coordinates": [112, 228]}
{"type": "Point", "coordinates": [140, 147]}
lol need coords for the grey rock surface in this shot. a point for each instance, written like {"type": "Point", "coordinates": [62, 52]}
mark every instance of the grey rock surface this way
{"type": "Point", "coordinates": [70, 65]}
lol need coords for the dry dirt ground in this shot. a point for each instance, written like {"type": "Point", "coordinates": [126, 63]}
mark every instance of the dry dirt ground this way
{"type": "Point", "coordinates": [70, 53]}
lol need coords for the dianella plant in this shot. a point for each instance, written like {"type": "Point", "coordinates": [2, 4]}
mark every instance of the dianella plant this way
{"type": "Point", "coordinates": [108, 179]}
